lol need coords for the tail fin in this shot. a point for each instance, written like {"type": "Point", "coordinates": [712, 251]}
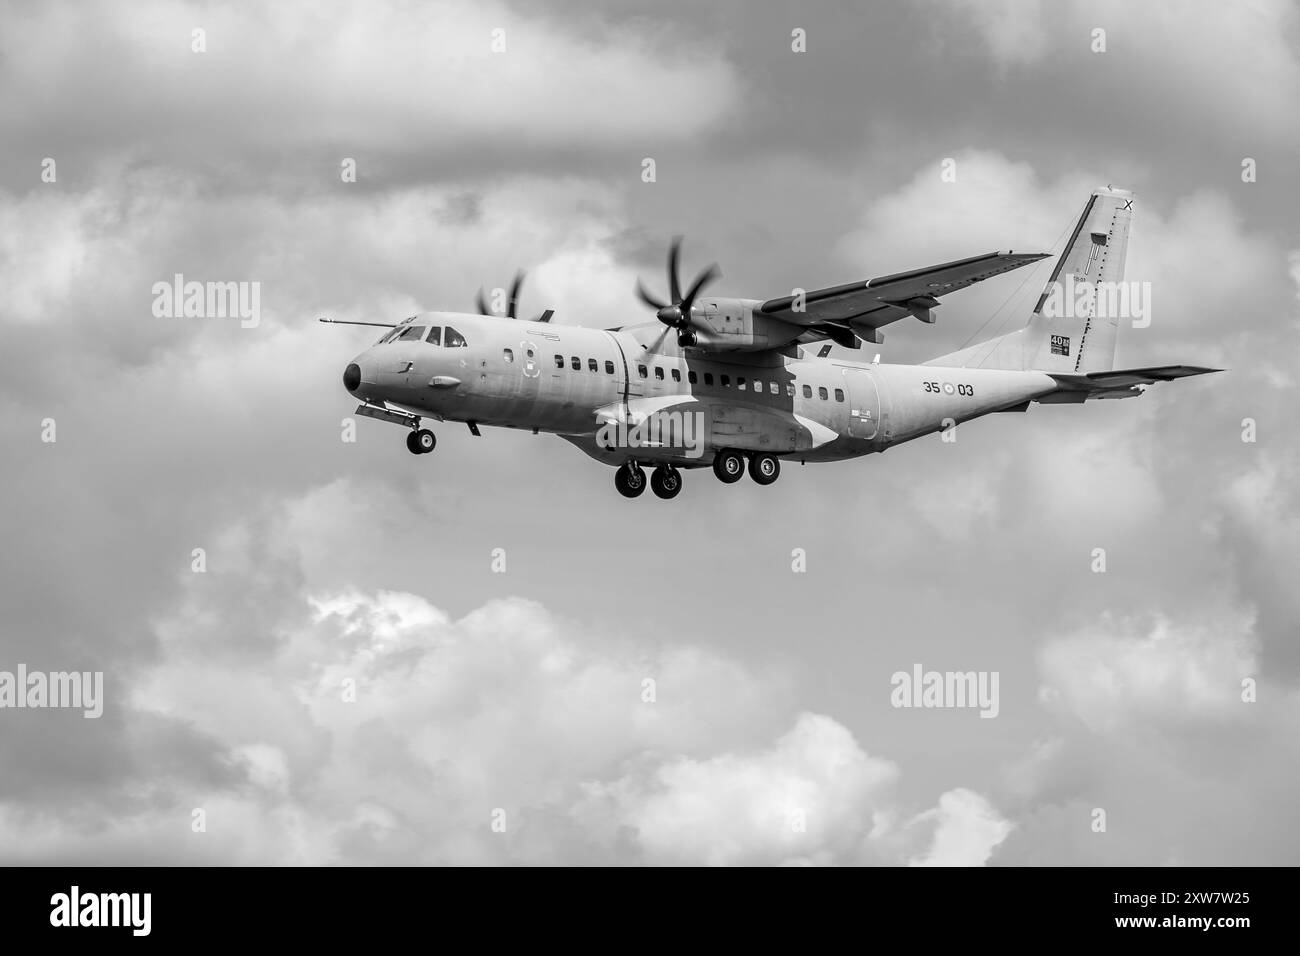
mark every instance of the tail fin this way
{"type": "Point", "coordinates": [1073, 327]}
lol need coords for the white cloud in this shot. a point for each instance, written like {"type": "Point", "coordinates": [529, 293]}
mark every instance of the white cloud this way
{"type": "Point", "coordinates": [809, 798]}
{"type": "Point", "coordinates": [1118, 674]}
{"type": "Point", "coordinates": [386, 80]}
{"type": "Point", "coordinates": [967, 829]}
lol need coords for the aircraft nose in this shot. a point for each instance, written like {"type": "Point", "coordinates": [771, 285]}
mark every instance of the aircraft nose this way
{"type": "Point", "coordinates": [352, 377]}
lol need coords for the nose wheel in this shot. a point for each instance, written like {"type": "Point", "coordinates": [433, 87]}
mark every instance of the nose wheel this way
{"type": "Point", "coordinates": [421, 441]}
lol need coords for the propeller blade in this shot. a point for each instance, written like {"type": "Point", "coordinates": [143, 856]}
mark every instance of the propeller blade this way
{"type": "Point", "coordinates": [647, 298]}
{"type": "Point", "coordinates": [481, 303]}
{"type": "Point", "coordinates": [703, 279]}
{"type": "Point", "coordinates": [514, 293]}
{"type": "Point", "coordinates": [674, 254]}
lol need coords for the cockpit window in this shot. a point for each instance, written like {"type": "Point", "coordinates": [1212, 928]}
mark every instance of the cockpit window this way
{"type": "Point", "coordinates": [389, 336]}
{"type": "Point", "coordinates": [435, 335]}
{"type": "Point", "coordinates": [412, 333]}
{"type": "Point", "coordinates": [454, 340]}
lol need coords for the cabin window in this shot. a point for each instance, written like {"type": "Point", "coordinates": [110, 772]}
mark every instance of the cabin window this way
{"type": "Point", "coordinates": [740, 382]}
{"type": "Point", "coordinates": [454, 340]}
{"type": "Point", "coordinates": [677, 375]}
{"type": "Point", "coordinates": [576, 363]}
{"type": "Point", "coordinates": [758, 386]}
{"type": "Point", "coordinates": [412, 333]}
{"type": "Point", "coordinates": [592, 366]}
{"type": "Point", "coordinates": [774, 388]}
{"type": "Point", "coordinates": [708, 378]}
{"type": "Point", "coordinates": [559, 361]}
{"type": "Point", "coordinates": [807, 391]}
{"type": "Point", "coordinates": [640, 370]}
{"type": "Point", "coordinates": [692, 377]}
{"type": "Point", "coordinates": [659, 372]}
{"type": "Point", "coordinates": [821, 392]}
{"type": "Point", "coordinates": [724, 381]}
{"type": "Point", "coordinates": [839, 395]}
{"type": "Point", "coordinates": [435, 335]}
{"type": "Point", "coordinates": [789, 389]}
{"type": "Point", "coordinates": [609, 367]}
{"type": "Point", "coordinates": [508, 355]}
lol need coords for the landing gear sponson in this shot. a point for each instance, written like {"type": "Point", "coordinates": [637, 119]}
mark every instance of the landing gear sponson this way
{"type": "Point", "coordinates": [666, 481]}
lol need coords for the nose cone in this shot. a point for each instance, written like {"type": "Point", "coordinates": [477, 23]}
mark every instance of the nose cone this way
{"type": "Point", "coordinates": [352, 378]}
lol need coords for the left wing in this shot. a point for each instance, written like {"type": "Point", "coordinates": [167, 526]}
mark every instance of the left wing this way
{"type": "Point", "coordinates": [861, 308]}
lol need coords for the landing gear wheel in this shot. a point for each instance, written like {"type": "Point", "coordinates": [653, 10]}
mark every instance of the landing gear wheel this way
{"type": "Point", "coordinates": [629, 480]}
{"type": "Point", "coordinates": [666, 481]}
{"type": "Point", "coordinates": [421, 442]}
{"type": "Point", "coordinates": [764, 468]}
{"type": "Point", "coordinates": [729, 465]}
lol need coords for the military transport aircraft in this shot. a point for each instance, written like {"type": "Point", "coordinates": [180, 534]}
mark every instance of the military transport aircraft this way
{"type": "Point", "coordinates": [734, 386]}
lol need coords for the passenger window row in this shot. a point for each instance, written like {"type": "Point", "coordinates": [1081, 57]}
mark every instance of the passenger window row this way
{"type": "Point", "coordinates": [724, 381]}
{"type": "Point", "coordinates": [576, 364]}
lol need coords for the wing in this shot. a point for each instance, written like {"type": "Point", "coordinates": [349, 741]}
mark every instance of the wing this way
{"type": "Point", "coordinates": [861, 308]}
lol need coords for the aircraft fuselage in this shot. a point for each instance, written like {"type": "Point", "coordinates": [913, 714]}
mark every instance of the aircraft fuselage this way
{"type": "Point", "coordinates": [575, 381]}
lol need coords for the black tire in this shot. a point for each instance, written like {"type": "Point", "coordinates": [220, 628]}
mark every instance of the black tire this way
{"type": "Point", "coordinates": [422, 442]}
{"type": "Point", "coordinates": [629, 480]}
{"type": "Point", "coordinates": [764, 468]}
{"type": "Point", "coordinates": [729, 466]}
{"type": "Point", "coordinates": [411, 445]}
{"type": "Point", "coordinates": [666, 482]}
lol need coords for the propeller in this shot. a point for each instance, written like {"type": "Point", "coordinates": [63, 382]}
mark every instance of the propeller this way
{"type": "Point", "coordinates": [512, 301]}
{"type": "Point", "coordinates": [676, 314]}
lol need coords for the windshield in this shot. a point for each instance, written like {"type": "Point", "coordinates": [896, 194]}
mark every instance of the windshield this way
{"type": "Point", "coordinates": [412, 333]}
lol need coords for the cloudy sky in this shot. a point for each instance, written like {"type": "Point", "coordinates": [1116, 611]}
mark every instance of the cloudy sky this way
{"type": "Point", "coordinates": [519, 697]}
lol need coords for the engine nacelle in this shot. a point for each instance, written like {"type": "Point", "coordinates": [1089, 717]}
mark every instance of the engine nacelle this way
{"type": "Point", "coordinates": [731, 325]}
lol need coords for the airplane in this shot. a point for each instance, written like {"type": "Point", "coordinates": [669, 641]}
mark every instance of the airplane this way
{"type": "Point", "coordinates": [734, 388]}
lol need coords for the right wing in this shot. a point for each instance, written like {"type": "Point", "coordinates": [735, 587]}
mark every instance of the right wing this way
{"type": "Point", "coordinates": [861, 308]}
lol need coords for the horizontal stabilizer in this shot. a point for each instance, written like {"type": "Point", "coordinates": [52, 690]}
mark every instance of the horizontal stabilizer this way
{"type": "Point", "coordinates": [1121, 379]}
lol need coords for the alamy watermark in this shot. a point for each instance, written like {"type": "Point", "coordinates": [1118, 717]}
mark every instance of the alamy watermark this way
{"type": "Point", "coordinates": [75, 908]}
{"type": "Point", "coordinates": [946, 689]}
{"type": "Point", "coordinates": [671, 429]}
{"type": "Point", "coordinates": [179, 299]}
{"type": "Point", "coordinates": [56, 689]}
{"type": "Point", "coordinates": [1104, 300]}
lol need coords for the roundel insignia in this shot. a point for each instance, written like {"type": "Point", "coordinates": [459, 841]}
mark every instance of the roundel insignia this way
{"type": "Point", "coordinates": [947, 388]}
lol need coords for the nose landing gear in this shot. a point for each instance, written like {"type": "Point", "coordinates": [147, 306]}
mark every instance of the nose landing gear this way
{"type": "Point", "coordinates": [421, 441]}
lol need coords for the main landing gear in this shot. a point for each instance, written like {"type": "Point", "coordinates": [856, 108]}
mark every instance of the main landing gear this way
{"type": "Point", "coordinates": [421, 441]}
{"type": "Point", "coordinates": [666, 481]}
{"type": "Point", "coordinates": [630, 480]}
{"type": "Point", "coordinates": [729, 466]}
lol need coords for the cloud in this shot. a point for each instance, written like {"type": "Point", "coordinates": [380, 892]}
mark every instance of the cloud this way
{"type": "Point", "coordinates": [1147, 59]}
{"type": "Point", "coordinates": [811, 797]}
{"type": "Point", "coordinates": [967, 829]}
{"type": "Point", "coordinates": [1117, 675]}
{"type": "Point", "coordinates": [391, 85]}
